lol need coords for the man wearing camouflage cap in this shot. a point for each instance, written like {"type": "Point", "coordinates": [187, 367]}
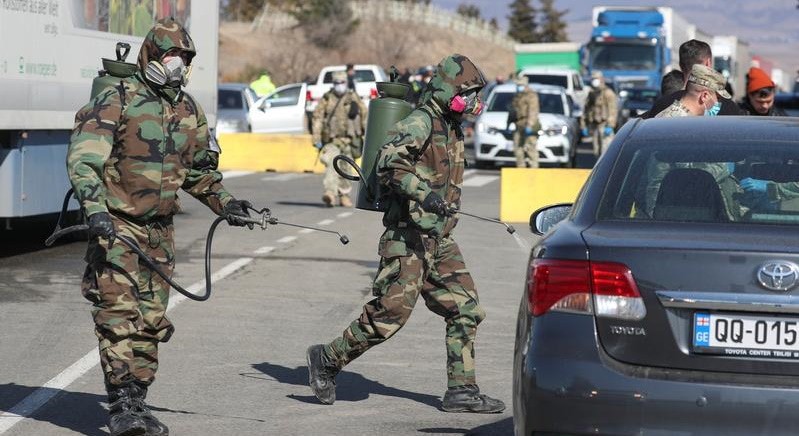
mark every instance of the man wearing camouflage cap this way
{"type": "Point", "coordinates": [339, 122]}
{"type": "Point", "coordinates": [133, 146]}
{"type": "Point", "coordinates": [420, 170]}
{"type": "Point", "coordinates": [703, 88]}
{"type": "Point", "coordinates": [524, 114]}
{"type": "Point", "coordinates": [599, 116]}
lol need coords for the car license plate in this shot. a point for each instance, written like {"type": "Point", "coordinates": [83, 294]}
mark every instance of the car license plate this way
{"type": "Point", "coordinates": [746, 335]}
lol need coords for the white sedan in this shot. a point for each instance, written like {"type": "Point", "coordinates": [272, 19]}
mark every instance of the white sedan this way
{"type": "Point", "coordinates": [282, 111]}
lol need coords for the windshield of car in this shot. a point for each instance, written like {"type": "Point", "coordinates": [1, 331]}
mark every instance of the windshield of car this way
{"type": "Point", "coordinates": [548, 79]}
{"type": "Point", "coordinates": [622, 56]}
{"type": "Point", "coordinates": [743, 183]}
{"type": "Point", "coordinates": [230, 99]}
{"type": "Point", "coordinates": [548, 103]}
{"type": "Point", "coordinates": [360, 76]}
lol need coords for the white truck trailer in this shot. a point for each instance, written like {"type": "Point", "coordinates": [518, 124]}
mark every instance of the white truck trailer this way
{"type": "Point", "coordinates": [50, 53]}
{"type": "Point", "coordinates": [731, 57]}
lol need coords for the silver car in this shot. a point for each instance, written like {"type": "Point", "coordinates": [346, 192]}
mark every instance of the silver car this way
{"type": "Point", "coordinates": [493, 136]}
{"type": "Point", "coordinates": [233, 107]}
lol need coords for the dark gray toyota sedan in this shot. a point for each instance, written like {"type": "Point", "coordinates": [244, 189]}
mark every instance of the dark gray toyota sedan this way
{"type": "Point", "coordinates": [665, 301]}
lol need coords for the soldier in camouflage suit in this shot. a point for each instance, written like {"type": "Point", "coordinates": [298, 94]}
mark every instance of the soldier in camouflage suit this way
{"type": "Point", "coordinates": [525, 115]}
{"type": "Point", "coordinates": [421, 173]}
{"type": "Point", "coordinates": [339, 122]}
{"type": "Point", "coordinates": [133, 146]}
{"type": "Point", "coordinates": [599, 116]}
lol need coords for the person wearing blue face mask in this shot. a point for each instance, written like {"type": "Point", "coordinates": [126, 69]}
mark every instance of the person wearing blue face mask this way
{"type": "Point", "coordinates": [704, 88]}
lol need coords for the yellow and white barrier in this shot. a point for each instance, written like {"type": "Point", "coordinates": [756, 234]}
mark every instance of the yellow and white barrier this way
{"type": "Point", "coordinates": [268, 152]}
{"type": "Point", "coordinates": [524, 190]}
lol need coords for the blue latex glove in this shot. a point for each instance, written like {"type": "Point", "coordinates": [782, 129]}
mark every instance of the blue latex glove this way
{"type": "Point", "coordinates": [528, 131]}
{"type": "Point", "coordinates": [754, 185]}
{"type": "Point", "coordinates": [584, 132]}
{"type": "Point", "coordinates": [608, 131]}
{"type": "Point", "coordinates": [318, 145]}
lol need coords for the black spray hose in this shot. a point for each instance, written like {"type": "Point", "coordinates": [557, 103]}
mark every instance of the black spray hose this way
{"type": "Point", "coordinates": [265, 218]}
{"type": "Point", "coordinates": [360, 176]}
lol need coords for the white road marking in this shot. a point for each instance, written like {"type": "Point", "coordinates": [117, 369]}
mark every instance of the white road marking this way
{"type": "Point", "coordinates": [467, 173]}
{"type": "Point", "coordinates": [325, 223]}
{"type": "Point", "coordinates": [233, 173]}
{"type": "Point", "coordinates": [264, 250]}
{"type": "Point", "coordinates": [480, 180]}
{"type": "Point", "coordinates": [38, 398]}
{"type": "Point", "coordinates": [344, 214]}
{"type": "Point", "coordinates": [286, 239]}
{"type": "Point", "coordinates": [306, 231]}
{"type": "Point", "coordinates": [283, 177]}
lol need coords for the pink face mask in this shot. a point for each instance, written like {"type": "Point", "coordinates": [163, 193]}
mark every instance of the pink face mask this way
{"type": "Point", "coordinates": [470, 104]}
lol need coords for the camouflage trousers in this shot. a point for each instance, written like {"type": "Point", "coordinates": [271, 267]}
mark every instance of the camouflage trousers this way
{"type": "Point", "coordinates": [599, 140]}
{"type": "Point", "coordinates": [525, 149]}
{"type": "Point", "coordinates": [129, 300]}
{"type": "Point", "coordinates": [332, 182]}
{"type": "Point", "coordinates": [413, 264]}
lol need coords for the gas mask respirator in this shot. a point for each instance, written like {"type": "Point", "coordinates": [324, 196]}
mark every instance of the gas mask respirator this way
{"type": "Point", "coordinates": [466, 104]}
{"type": "Point", "coordinates": [173, 73]}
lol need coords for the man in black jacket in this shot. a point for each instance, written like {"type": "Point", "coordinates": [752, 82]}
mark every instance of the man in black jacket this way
{"type": "Point", "coordinates": [760, 91]}
{"type": "Point", "coordinates": [693, 52]}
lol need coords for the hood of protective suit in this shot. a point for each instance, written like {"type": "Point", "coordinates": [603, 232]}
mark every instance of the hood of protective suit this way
{"type": "Point", "coordinates": [165, 35]}
{"type": "Point", "coordinates": [454, 75]}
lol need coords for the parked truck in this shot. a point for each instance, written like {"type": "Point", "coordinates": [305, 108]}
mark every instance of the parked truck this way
{"type": "Point", "coordinates": [49, 56]}
{"type": "Point", "coordinates": [635, 46]}
{"type": "Point", "coordinates": [548, 55]}
{"type": "Point", "coordinates": [732, 59]}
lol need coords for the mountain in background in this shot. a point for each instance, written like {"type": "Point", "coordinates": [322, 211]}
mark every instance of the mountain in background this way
{"type": "Point", "coordinates": [769, 26]}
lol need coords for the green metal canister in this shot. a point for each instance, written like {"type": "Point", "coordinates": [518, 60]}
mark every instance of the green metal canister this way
{"type": "Point", "coordinates": [384, 111]}
{"type": "Point", "coordinates": [113, 70]}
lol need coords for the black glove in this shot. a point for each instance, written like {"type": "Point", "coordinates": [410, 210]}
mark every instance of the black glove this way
{"type": "Point", "coordinates": [235, 210]}
{"type": "Point", "coordinates": [100, 225]}
{"type": "Point", "coordinates": [354, 111]}
{"type": "Point", "coordinates": [433, 203]}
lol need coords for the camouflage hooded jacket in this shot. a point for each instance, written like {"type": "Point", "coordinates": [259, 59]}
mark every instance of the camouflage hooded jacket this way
{"type": "Point", "coordinates": [133, 145]}
{"type": "Point", "coordinates": [425, 153]}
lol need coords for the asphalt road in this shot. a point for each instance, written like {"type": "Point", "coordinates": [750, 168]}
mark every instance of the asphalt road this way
{"type": "Point", "coordinates": [236, 364]}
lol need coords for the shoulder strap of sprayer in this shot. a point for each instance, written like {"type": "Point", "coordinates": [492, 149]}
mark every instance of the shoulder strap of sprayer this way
{"type": "Point", "coordinates": [429, 135]}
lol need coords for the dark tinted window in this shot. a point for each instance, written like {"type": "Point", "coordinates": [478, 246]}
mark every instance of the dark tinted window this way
{"type": "Point", "coordinates": [755, 183]}
{"type": "Point", "coordinates": [547, 103]}
{"type": "Point", "coordinates": [230, 99]}
{"type": "Point", "coordinates": [360, 76]}
{"type": "Point", "coordinates": [548, 79]}
{"type": "Point", "coordinates": [788, 103]}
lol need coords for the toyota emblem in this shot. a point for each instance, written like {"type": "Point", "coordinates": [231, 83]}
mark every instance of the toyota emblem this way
{"type": "Point", "coordinates": [778, 275]}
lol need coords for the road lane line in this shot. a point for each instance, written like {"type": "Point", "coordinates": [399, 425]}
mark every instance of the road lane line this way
{"type": "Point", "coordinates": [344, 214]}
{"type": "Point", "coordinates": [478, 181]}
{"type": "Point", "coordinates": [283, 177]}
{"type": "Point", "coordinates": [467, 173]}
{"type": "Point", "coordinates": [233, 173]}
{"type": "Point", "coordinates": [325, 223]}
{"type": "Point", "coordinates": [306, 231]}
{"type": "Point", "coordinates": [38, 398]}
{"type": "Point", "coordinates": [264, 250]}
{"type": "Point", "coordinates": [286, 239]}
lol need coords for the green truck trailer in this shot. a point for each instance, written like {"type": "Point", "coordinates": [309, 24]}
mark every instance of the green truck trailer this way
{"type": "Point", "coordinates": [554, 55]}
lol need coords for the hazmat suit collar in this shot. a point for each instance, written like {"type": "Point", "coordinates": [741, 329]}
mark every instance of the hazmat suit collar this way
{"type": "Point", "coordinates": [454, 75]}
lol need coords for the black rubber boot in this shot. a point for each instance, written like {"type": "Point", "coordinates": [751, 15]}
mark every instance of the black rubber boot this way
{"type": "Point", "coordinates": [322, 374]}
{"type": "Point", "coordinates": [469, 399]}
{"type": "Point", "coordinates": [123, 419]}
{"type": "Point", "coordinates": [154, 426]}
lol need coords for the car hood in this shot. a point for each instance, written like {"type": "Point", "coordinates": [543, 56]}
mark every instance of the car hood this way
{"type": "Point", "coordinates": [500, 119]}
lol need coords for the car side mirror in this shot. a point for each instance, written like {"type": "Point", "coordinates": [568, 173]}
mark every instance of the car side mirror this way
{"type": "Point", "coordinates": [548, 217]}
{"type": "Point", "coordinates": [266, 105]}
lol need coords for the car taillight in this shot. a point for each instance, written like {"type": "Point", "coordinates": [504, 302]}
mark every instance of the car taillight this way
{"type": "Point", "coordinates": [567, 286]}
{"type": "Point", "coordinates": [308, 96]}
{"type": "Point", "coordinates": [373, 93]}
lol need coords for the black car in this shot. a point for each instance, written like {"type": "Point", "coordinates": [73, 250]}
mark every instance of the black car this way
{"type": "Point", "coordinates": [789, 103]}
{"type": "Point", "coordinates": [664, 300]}
{"type": "Point", "coordinates": [635, 102]}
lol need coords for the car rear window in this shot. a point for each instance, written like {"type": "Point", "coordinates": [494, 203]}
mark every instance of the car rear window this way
{"type": "Point", "coordinates": [548, 103]}
{"type": "Point", "coordinates": [360, 76]}
{"type": "Point", "coordinates": [230, 99]}
{"type": "Point", "coordinates": [548, 79]}
{"type": "Point", "coordinates": [735, 183]}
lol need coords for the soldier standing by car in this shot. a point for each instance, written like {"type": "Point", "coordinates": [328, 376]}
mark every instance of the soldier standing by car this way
{"type": "Point", "coordinates": [339, 122]}
{"type": "Point", "coordinates": [524, 113]}
{"type": "Point", "coordinates": [421, 173]}
{"type": "Point", "coordinates": [599, 116]}
{"type": "Point", "coordinates": [133, 146]}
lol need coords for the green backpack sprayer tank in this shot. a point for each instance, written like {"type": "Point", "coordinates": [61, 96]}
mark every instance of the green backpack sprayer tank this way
{"type": "Point", "coordinates": [113, 70]}
{"type": "Point", "coordinates": [384, 111]}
